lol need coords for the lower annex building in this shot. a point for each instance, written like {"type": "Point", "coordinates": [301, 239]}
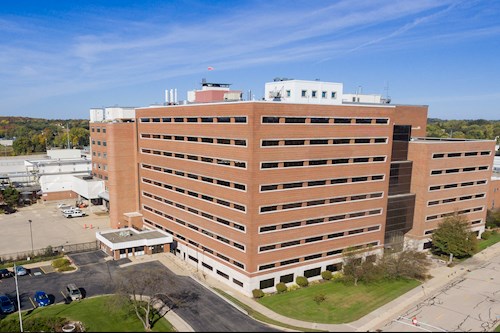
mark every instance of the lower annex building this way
{"type": "Point", "coordinates": [260, 192]}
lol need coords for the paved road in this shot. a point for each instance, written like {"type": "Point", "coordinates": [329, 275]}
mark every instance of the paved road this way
{"type": "Point", "coordinates": [469, 303]}
{"type": "Point", "coordinates": [198, 306]}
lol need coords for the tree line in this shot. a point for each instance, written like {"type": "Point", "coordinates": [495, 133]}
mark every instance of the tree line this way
{"type": "Point", "coordinates": [479, 129]}
{"type": "Point", "coordinates": [34, 135]}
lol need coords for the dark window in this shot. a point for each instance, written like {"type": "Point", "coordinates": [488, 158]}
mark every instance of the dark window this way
{"type": "Point", "coordinates": [291, 225]}
{"type": "Point", "coordinates": [318, 142]}
{"type": "Point", "coordinates": [318, 162]}
{"type": "Point", "coordinates": [381, 121]}
{"type": "Point", "coordinates": [293, 164]}
{"type": "Point", "coordinates": [267, 228]}
{"type": "Point", "coordinates": [313, 256]}
{"type": "Point", "coordinates": [266, 143]}
{"type": "Point", "coordinates": [267, 248]}
{"type": "Point", "coordinates": [207, 120]}
{"type": "Point", "coordinates": [286, 278]}
{"type": "Point", "coordinates": [359, 179]}
{"type": "Point", "coordinates": [266, 283]}
{"type": "Point", "coordinates": [363, 121]}
{"type": "Point", "coordinates": [179, 120]}
{"type": "Point", "coordinates": [360, 159]}
{"type": "Point", "coordinates": [240, 119]}
{"type": "Point", "coordinates": [240, 142]}
{"type": "Point", "coordinates": [224, 275]}
{"type": "Point", "coordinates": [312, 272]}
{"type": "Point", "coordinates": [341, 141]}
{"type": "Point", "coordinates": [294, 142]}
{"type": "Point", "coordinates": [340, 161]}
{"type": "Point", "coordinates": [454, 154]}
{"type": "Point", "coordinates": [290, 261]}
{"type": "Point", "coordinates": [192, 120]}
{"type": "Point", "coordinates": [292, 205]}
{"type": "Point", "coordinates": [295, 120]}
{"type": "Point", "coordinates": [237, 282]}
{"type": "Point", "coordinates": [342, 120]}
{"type": "Point", "coordinates": [268, 120]}
{"type": "Point", "coordinates": [471, 153]}
{"type": "Point", "coordinates": [269, 165]}
{"type": "Point", "coordinates": [268, 209]}
{"type": "Point", "coordinates": [223, 119]}
{"type": "Point", "coordinates": [314, 221]}
{"type": "Point", "coordinates": [440, 155]}
{"type": "Point", "coordinates": [268, 187]}
{"type": "Point", "coordinates": [291, 243]}
{"type": "Point", "coordinates": [292, 185]}
{"type": "Point", "coordinates": [316, 183]}
{"type": "Point", "coordinates": [339, 181]}
{"type": "Point", "coordinates": [364, 140]}
{"type": "Point", "coordinates": [314, 239]}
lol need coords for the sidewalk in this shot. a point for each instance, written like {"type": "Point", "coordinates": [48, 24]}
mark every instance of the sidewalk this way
{"type": "Point", "coordinates": [441, 276]}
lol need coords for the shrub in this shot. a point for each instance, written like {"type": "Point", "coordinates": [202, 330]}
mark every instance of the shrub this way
{"type": "Point", "coordinates": [66, 268]}
{"type": "Point", "coordinates": [293, 287]}
{"type": "Point", "coordinates": [319, 298]}
{"type": "Point", "coordinates": [302, 281]}
{"type": "Point", "coordinates": [257, 293]}
{"type": "Point", "coordinates": [60, 262]}
{"type": "Point", "coordinates": [326, 275]}
{"type": "Point", "coordinates": [486, 234]}
{"type": "Point", "coordinates": [281, 287]}
{"type": "Point", "coordinates": [337, 277]}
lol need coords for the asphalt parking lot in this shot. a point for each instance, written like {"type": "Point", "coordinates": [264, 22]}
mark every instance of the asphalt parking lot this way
{"type": "Point", "coordinates": [198, 306]}
{"type": "Point", "coordinates": [48, 227]}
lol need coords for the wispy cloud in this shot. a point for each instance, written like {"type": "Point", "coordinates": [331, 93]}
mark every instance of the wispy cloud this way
{"type": "Point", "coordinates": [43, 60]}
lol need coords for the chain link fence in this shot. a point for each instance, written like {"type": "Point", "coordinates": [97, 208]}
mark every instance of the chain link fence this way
{"type": "Point", "coordinates": [48, 252]}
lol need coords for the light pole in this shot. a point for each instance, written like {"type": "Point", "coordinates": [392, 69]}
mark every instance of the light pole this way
{"type": "Point", "coordinates": [31, 234]}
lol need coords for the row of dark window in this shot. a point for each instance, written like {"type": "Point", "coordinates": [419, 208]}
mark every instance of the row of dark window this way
{"type": "Point", "coordinates": [289, 278]}
{"type": "Point", "coordinates": [448, 214]}
{"type": "Point", "coordinates": [335, 161]}
{"type": "Point", "coordinates": [456, 170]}
{"type": "Point", "coordinates": [98, 129]}
{"type": "Point", "coordinates": [197, 229]}
{"type": "Point", "coordinates": [323, 182]}
{"type": "Point", "coordinates": [197, 245]}
{"type": "Point", "coordinates": [323, 120]}
{"type": "Point", "coordinates": [210, 180]}
{"type": "Point", "coordinates": [461, 154]}
{"type": "Point", "coordinates": [455, 199]}
{"type": "Point", "coordinates": [99, 142]}
{"type": "Point", "coordinates": [455, 185]}
{"type": "Point", "coordinates": [314, 256]}
{"type": "Point", "coordinates": [320, 202]}
{"type": "Point", "coordinates": [191, 119]}
{"type": "Point", "coordinates": [321, 141]}
{"type": "Point", "coordinates": [192, 210]}
{"type": "Point", "coordinates": [313, 239]}
{"type": "Point", "coordinates": [204, 159]}
{"type": "Point", "coordinates": [201, 139]}
{"type": "Point", "coordinates": [100, 176]}
{"type": "Point", "coordinates": [333, 218]}
{"type": "Point", "coordinates": [201, 196]}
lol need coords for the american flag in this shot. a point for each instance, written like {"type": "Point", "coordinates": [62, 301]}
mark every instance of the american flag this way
{"type": "Point", "coordinates": [210, 68]}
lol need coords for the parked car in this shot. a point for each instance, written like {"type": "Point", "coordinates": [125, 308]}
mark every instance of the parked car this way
{"type": "Point", "coordinates": [5, 273]}
{"type": "Point", "coordinates": [20, 270]}
{"type": "Point", "coordinates": [73, 213]}
{"type": "Point", "coordinates": [73, 292]}
{"type": "Point", "coordinates": [41, 298]}
{"type": "Point", "coordinates": [6, 305]}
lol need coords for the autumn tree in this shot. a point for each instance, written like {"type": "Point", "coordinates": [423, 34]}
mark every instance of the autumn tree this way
{"type": "Point", "coordinates": [453, 236]}
{"type": "Point", "coordinates": [408, 263]}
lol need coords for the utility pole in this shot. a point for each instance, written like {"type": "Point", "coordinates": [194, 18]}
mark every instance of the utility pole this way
{"type": "Point", "coordinates": [18, 301]}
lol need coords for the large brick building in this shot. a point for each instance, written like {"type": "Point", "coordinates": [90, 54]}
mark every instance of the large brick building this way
{"type": "Point", "coordinates": [258, 192]}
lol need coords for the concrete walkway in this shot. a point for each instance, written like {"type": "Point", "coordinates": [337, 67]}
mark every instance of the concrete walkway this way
{"type": "Point", "coordinates": [442, 275]}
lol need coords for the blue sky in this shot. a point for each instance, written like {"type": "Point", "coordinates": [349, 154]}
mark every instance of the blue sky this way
{"type": "Point", "coordinates": [58, 59]}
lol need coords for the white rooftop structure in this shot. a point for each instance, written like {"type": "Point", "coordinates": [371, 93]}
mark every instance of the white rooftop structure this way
{"type": "Point", "coordinates": [304, 92]}
{"type": "Point", "coordinates": [111, 114]}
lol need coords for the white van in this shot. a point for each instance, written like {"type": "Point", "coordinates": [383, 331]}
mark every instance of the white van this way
{"type": "Point", "coordinates": [75, 212]}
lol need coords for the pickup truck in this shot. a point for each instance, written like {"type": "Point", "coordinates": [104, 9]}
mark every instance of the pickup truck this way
{"type": "Point", "coordinates": [69, 213]}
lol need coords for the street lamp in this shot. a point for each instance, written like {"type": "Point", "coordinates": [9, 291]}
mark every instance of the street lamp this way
{"type": "Point", "coordinates": [31, 234]}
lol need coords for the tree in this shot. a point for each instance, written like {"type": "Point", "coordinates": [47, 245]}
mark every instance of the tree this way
{"type": "Point", "coordinates": [353, 264]}
{"type": "Point", "coordinates": [142, 290]}
{"type": "Point", "coordinates": [454, 237]}
{"type": "Point", "coordinates": [408, 263]}
{"type": "Point", "coordinates": [10, 196]}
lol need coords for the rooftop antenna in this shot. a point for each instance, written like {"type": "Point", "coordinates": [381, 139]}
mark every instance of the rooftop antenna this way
{"type": "Point", "coordinates": [387, 98]}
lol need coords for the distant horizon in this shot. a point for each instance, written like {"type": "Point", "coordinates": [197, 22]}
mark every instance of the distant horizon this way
{"type": "Point", "coordinates": [64, 58]}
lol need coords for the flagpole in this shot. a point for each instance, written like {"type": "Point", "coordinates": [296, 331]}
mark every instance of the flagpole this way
{"type": "Point", "coordinates": [18, 301]}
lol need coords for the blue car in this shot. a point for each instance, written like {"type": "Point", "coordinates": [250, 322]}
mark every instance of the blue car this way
{"type": "Point", "coordinates": [41, 298]}
{"type": "Point", "coordinates": [6, 305]}
{"type": "Point", "coordinates": [20, 270]}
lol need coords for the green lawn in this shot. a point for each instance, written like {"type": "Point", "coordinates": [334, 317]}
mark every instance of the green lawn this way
{"type": "Point", "coordinates": [260, 317]}
{"type": "Point", "coordinates": [344, 302]}
{"type": "Point", "coordinates": [95, 314]}
{"type": "Point", "coordinates": [484, 243]}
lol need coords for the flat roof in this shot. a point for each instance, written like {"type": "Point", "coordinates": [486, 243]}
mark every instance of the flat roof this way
{"type": "Point", "coordinates": [127, 235]}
